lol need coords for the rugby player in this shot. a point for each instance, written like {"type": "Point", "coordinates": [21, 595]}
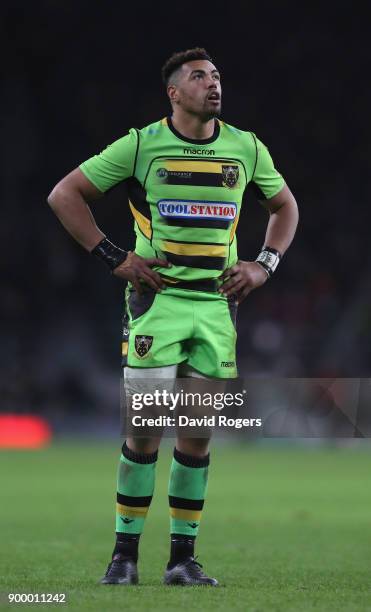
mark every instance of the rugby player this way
{"type": "Point", "coordinates": [185, 176]}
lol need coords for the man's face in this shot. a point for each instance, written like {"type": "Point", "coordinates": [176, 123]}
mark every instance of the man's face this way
{"type": "Point", "coordinates": [196, 89]}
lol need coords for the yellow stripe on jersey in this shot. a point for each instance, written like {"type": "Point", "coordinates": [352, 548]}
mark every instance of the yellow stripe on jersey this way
{"type": "Point", "coordinates": [186, 165]}
{"type": "Point", "coordinates": [233, 229]}
{"type": "Point", "coordinates": [143, 223]}
{"type": "Point", "coordinates": [124, 349]}
{"type": "Point", "coordinates": [170, 281]}
{"type": "Point", "coordinates": [188, 248]}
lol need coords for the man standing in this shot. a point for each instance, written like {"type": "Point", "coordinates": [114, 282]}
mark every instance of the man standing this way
{"type": "Point", "coordinates": [185, 175]}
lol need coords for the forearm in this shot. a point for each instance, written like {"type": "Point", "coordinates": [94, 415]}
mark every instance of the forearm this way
{"type": "Point", "coordinates": [74, 213]}
{"type": "Point", "coordinates": [282, 226]}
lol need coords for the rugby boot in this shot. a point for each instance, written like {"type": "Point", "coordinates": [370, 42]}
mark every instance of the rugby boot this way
{"type": "Point", "coordinates": [121, 570]}
{"type": "Point", "coordinates": [188, 573]}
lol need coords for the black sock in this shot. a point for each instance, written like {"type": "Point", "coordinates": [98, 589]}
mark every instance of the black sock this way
{"type": "Point", "coordinates": [127, 545]}
{"type": "Point", "coordinates": [182, 547]}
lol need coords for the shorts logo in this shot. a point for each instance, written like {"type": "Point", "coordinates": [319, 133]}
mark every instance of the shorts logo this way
{"type": "Point", "coordinates": [230, 175]}
{"type": "Point", "coordinates": [142, 345]}
{"type": "Point", "coordinates": [192, 209]}
{"type": "Point", "coordinates": [227, 364]}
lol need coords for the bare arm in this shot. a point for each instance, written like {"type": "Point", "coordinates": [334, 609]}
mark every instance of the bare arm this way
{"type": "Point", "coordinates": [245, 276]}
{"type": "Point", "coordinates": [69, 200]}
{"type": "Point", "coordinates": [283, 220]}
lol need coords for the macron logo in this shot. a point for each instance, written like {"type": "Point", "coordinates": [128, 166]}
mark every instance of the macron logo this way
{"type": "Point", "coordinates": [189, 151]}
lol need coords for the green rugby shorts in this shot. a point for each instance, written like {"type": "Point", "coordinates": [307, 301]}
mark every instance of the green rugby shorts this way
{"type": "Point", "coordinates": [180, 325]}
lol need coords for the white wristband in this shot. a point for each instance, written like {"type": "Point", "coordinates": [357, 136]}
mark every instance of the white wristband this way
{"type": "Point", "coordinates": [269, 259]}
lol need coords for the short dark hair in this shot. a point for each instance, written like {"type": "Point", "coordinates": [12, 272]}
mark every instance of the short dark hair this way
{"type": "Point", "coordinates": [181, 57]}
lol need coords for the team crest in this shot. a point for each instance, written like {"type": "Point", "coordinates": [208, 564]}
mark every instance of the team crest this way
{"type": "Point", "coordinates": [230, 175]}
{"type": "Point", "coordinates": [142, 345]}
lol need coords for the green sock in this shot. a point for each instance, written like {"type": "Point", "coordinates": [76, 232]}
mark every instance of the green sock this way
{"type": "Point", "coordinates": [135, 486]}
{"type": "Point", "coordinates": [187, 490]}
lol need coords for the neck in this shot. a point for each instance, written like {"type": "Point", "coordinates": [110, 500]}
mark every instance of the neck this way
{"type": "Point", "coordinates": [192, 126]}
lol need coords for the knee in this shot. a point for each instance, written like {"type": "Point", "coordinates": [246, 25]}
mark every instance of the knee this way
{"type": "Point", "coordinates": [143, 445]}
{"type": "Point", "coordinates": [197, 447]}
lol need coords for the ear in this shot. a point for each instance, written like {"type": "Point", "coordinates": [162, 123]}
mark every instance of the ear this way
{"type": "Point", "coordinates": [172, 92]}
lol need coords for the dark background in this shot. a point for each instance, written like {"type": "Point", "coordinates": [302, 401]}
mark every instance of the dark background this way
{"type": "Point", "coordinates": [78, 75]}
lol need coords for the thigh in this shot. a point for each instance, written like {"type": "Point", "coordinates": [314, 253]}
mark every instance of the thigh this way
{"type": "Point", "coordinates": [137, 383]}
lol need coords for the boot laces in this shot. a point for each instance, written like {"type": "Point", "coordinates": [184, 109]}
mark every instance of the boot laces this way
{"type": "Point", "coordinates": [197, 567]}
{"type": "Point", "coordinates": [114, 569]}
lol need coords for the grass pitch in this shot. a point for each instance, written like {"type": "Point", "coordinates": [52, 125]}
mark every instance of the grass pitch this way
{"type": "Point", "coordinates": [283, 529]}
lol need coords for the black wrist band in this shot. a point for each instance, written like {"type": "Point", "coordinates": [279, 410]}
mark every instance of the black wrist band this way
{"type": "Point", "coordinates": [110, 254]}
{"type": "Point", "coordinates": [269, 259]}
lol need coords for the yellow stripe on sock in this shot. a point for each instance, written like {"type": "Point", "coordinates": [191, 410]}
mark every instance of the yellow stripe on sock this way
{"type": "Point", "coordinates": [135, 512]}
{"type": "Point", "coordinates": [185, 515]}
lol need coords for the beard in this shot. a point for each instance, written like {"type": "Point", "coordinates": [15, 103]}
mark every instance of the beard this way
{"type": "Point", "coordinates": [210, 113]}
{"type": "Point", "coordinates": [203, 110]}
{"type": "Point", "coordinates": [214, 114]}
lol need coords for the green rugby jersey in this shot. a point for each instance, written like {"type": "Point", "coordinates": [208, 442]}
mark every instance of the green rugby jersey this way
{"type": "Point", "coordinates": [185, 195]}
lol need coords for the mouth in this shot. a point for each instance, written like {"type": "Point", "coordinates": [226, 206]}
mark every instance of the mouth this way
{"type": "Point", "coordinates": [214, 97]}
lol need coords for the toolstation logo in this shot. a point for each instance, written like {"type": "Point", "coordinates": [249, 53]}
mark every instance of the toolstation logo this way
{"type": "Point", "coordinates": [192, 209]}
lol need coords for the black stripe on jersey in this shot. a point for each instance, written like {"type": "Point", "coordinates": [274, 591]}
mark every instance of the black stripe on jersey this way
{"type": "Point", "coordinates": [137, 195]}
{"type": "Point", "coordinates": [189, 222]}
{"type": "Point", "coordinates": [134, 502]}
{"type": "Point", "coordinates": [225, 160]}
{"type": "Point", "coordinates": [256, 154]}
{"type": "Point", "coordinates": [194, 179]}
{"type": "Point", "coordinates": [196, 261]}
{"type": "Point", "coordinates": [185, 504]}
{"type": "Point", "coordinates": [136, 152]}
